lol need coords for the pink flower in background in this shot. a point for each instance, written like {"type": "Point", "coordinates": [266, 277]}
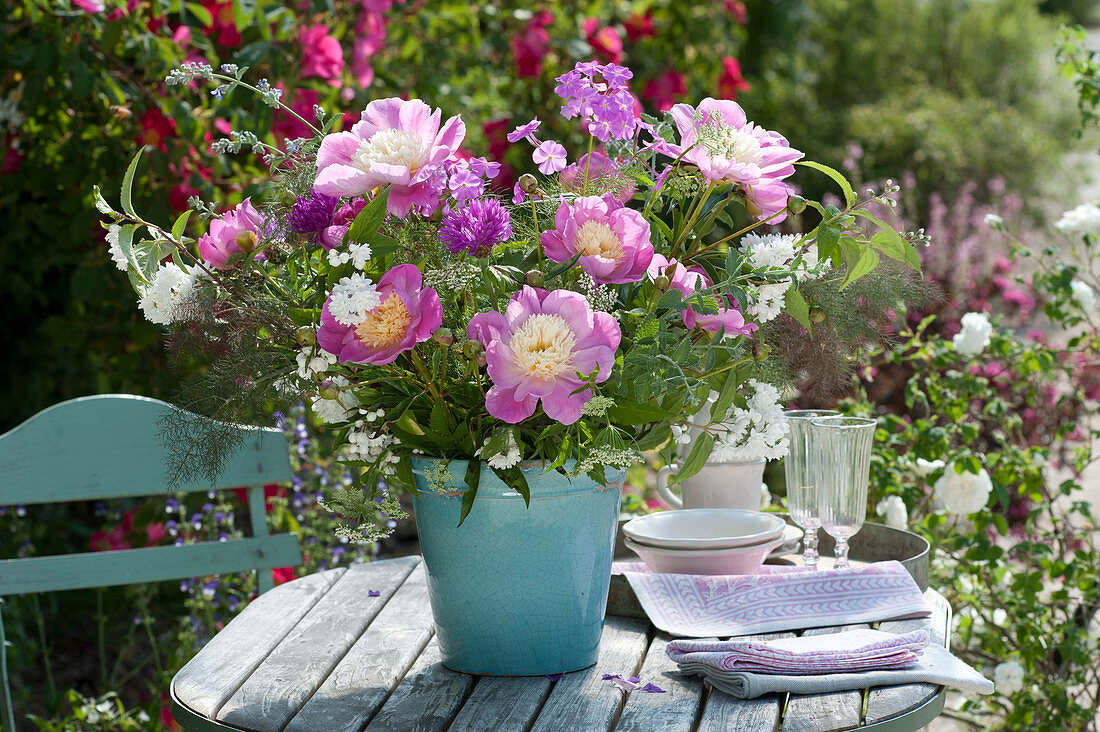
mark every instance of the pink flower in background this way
{"type": "Point", "coordinates": [737, 9]}
{"type": "Point", "coordinates": [333, 235]}
{"type": "Point", "coordinates": [613, 240]}
{"type": "Point", "coordinates": [736, 151]}
{"type": "Point", "coordinates": [223, 25]}
{"type": "Point", "coordinates": [595, 167]}
{"type": "Point", "coordinates": [378, 6]}
{"type": "Point", "coordinates": [638, 26]}
{"type": "Point", "coordinates": [549, 156]}
{"type": "Point", "coordinates": [397, 142]}
{"type": "Point", "coordinates": [535, 349]}
{"type": "Point", "coordinates": [156, 129]}
{"type": "Point", "coordinates": [236, 231]}
{"type": "Point", "coordinates": [370, 37]}
{"type": "Point", "coordinates": [90, 6]}
{"type": "Point", "coordinates": [322, 56]}
{"type": "Point", "coordinates": [689, 281]}
{"type": "Point", "coordinates": [532, 45]}
{"type": "Point", "coordinates": [665, 89]}
{"type": "Point", "coordinates": [731, 82]}
{"type": "Point", "coordinates": [605, 42]}
{"type": "Point", "coordinates": [408, 314]}
{"type": "Point", "coordinates": [686, 281]}
{"type": "Point", "coordinates": [288, 127]}
{"type": "Point", "coordinates": [496, 135]}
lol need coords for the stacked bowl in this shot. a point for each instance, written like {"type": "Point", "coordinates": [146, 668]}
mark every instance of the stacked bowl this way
{"type": "Point", "coordinates": [707, 540]}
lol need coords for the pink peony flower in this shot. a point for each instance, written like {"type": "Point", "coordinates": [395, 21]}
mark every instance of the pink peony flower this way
{"type": "Point", "coordinates": [613, 240]}
{"type": "Point", "coordinates": [596, 167]}
{"type": "Point", "coordinates": [407, 315]}
{"type": "Point", "coordinates": [398, 142]}
{"type": "Point", "coordinates": [333, 235]}
{"type": "Point", "coordinates": [665, 89]}
{"type": "Point", "coordinates": [532, 45]}
{"type": "Point", "coordinates": [690, 281]}
{"type": "Point", "coordinates": [370, 37]}
{"type": "Point", "coordinates": [321, 55]}
{"type": "Point", "coordinates": [734, 150]}
{"type": "Point", "coordinates": [90, 6]}
{"type": "Point", "coordinates": [605, 42]}
{"type": "Point", "coordinates": [731, 82]}
{"type": "Point", "coordinates": [236, 231]}
{"type": "Point", "coordinates": [286, 126]}
{"type": "Point", "coordinates": [535, 349]}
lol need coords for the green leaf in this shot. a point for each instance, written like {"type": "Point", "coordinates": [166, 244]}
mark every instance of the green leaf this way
{"type": "Point", "coordinates": [128, 183]}
{"type": "Point", "coordinates": [515, 479]}
{"type": "Point", "coordinates": [126, 244]}
{"type": "Point", "coordinates": [383, 244]}
{"type": "Point", "coordinates": [696, 459]}
{"type": "Point", "coordinates": [473, 479]}
{"type": "Point", "coordinates": [849, 194]}
{"type": "Point", "coordinates": [370, 219]}
{"type": "Point", "coordinates": [563, 267]}
{"type": "Point", "coordinates": [181, 225]}
{"type": "Point", "coordinates": [633, 413]}
{"type": "Point", "coordinates": [304, 316]}
{"type": "Point", "coordinates": [828, 237]}
{"type": "Point", "coordinates": [201, 14]}
{"type": "Point", "coordinates": [890, 243]}
{"type": "Point", "coordinates": [725, 396]}
{"type": "Point", "coordinates": [438, 423]}
{"type": "Point", "coordinates": [101, 204]}
{"type": "Point", "coordinates": [865, 260]}
{"type": "Point", "coordinates": [653, 439]}
{"type": "Point", "coordinates": [563, 453]}
{"type": "Point", "coordinates": [795, 306]}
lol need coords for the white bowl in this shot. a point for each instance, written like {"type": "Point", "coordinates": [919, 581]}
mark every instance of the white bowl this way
{"type": "Point", "coordinates": [792, 538]}
{"type": "Point", "coordinates": [703, 528]}
{"type": "Point", "coordinates": [732, 560]}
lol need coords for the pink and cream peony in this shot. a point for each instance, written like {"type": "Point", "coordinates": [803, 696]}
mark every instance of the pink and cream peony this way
{"type": "Point", "coordinates": [727, 148]}
{"type": "Point", "coordinates": [397, 142]}
{"type": "Point", "coordinates": [613, 241]}
{"type": "Point", "coordinates": [535, 349]}
{"type": "Point", "coordinates": [689, 281]}
{"type": "Point", "coordinates": [406, 314]}
{"type": "Point", "coordinates": [238, 230]}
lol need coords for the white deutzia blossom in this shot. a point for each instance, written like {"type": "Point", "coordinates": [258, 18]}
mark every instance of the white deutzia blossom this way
{"type": "Point", "coordinates": [115, 248]}
{"type": "Point", "coordinates": [777, 251]}
{"type": "Point", "coordinates": [172, 286]}
{"type": "Point", "coordinates": [924, 468]}
{"type": "Point", "coordinates": [1085, 219]}
{"type": "Point", "coordinates": [1084, 296]}
{"type": "Point", "coordinates": [313, 362]}
{"type": "Point", "coordinates": [963, 493]}
{"type": "Point", "coordinates": [1008, 678]}
{"type": "Point", "coordinates": [362, 445]}
{"type": "Point", "coordinates": [352, 298]}
{"type": "Point", "coordinates": [334, 411]}
{"type": "Point", "coordinates": [768, 302]}
{"type": "Point", "coordinates": [357, 254]}
{"type": "Point", "coordinates": [892, 508]}
{"type": "Point", "coordinates": [509, 458]}
{"type": "Point", "coordinates": [757, 431]}
{"type": "Point", "coordinates": [975, 334]}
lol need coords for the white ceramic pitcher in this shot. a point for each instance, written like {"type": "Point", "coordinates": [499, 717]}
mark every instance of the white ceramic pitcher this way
{"type": "Point", "coordinates": [716, 485]}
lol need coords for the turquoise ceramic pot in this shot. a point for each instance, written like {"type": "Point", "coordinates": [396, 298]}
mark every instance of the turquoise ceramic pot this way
{"type": "Point", "coordinates": [517, 591]}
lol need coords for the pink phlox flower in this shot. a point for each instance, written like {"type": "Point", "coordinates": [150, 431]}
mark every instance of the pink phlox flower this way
{"type": "Point", "coordinates": [632, 684]}
{"type": "Point", "coordinates": [592, 168]}
{"type": "Point", "coordinates": [238, 230]}
{"type": "Point", "coordinates": [606, 106]}
{"type": "Point", "coordinates": [535, 349]}
{"type": "Point", "coordinates": [613, 241]}
{"type": "Point", "coordinates": [407, 314]}
{"type": "Point", "coordinates": [550, 156]}
{"type": "Point", "coordinates": [727, 148]}
{"type": "Point", "coordinates": [485, 168]}
{"type": "Point", "coordinates": [465, 183]}
{"type": "Point", "coordinates": [518, 196]}
{"type": "Point", "coordinates": [397, 142]}
{"type": "Point", "coordinates": [524, 130]}
{"type": "Point", "coordinates": [322, 56]}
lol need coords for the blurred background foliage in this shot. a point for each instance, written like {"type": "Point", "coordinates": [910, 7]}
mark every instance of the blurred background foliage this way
{"type": "Point", "coordinates": [950, 92]}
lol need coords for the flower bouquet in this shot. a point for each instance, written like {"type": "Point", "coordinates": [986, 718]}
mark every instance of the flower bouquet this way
{"type": "Point", "coordinates": [486, 350]}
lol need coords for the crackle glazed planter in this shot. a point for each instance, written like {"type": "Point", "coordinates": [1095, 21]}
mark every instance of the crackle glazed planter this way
{"type": "Point", "coordinates": [516, 591]}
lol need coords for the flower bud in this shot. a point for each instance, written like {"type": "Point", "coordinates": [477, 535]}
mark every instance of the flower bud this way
{"type": "Point", "coordinates": [661, 282]}
{"type": "Point", "coordinates": [796, 204]}
{"type": "Point", "coordinates": [482, 360]}
{"type": "Point", "coordinates": [472, 348]}
{"type": "Point", "coordinates": [528, 183]}
{"type": "Point", "coordinates": [535, 278]}
{"type": "Point", "coordinates": [817, 317]}
{"type": "Point", "coordinates": [443, 337]}
{"type": "Point", "coordinates": [328, 390]}
{"type": "Point", "coordinates": [306, 336]}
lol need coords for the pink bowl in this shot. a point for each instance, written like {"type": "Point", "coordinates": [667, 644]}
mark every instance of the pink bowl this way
{"type": "Point", "coordinates": [733, 560]}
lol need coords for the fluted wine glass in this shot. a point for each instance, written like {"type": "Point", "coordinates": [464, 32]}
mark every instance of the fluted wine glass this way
{"type": "Point", "coordinates": [801, 485]}
{"type": "Point", "coordinates": [842, 461]}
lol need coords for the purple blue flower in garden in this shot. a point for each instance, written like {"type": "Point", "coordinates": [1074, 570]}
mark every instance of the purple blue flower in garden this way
{"type": "Point", "coordinates": [312, 212]}
{"type": "Point", "coordinates": [475, 227]}
{"type": "Point", "coordinates": [465, 184]}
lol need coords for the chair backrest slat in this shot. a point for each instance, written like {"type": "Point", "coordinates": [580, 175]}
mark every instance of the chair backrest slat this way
{"type": "Point", "coordinates": [109, 446]}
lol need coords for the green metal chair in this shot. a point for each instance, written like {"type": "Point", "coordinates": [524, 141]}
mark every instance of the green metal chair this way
{"type": "Point", "coordinates": [109, 446]}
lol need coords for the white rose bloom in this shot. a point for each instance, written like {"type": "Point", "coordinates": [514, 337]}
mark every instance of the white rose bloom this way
{"type": "Point", "coordinates": [893, 509]}
{"type": "Point", "coordinates": [1084, 296]}
{"type": "Point", "coordinates": [924, 468]}
{"type": "Point", "coordinates": [115, 248]}
{"type": "Point", "coordinates": [1085, 219]}
{"type": "Point", "coordinates": [975, 334]}
{"type": "Point", "coordinates": [1008, 677]}
{"type": "Point", "coordinates": [172, 287]}
{"type": "Point", "coordinates": [963, 493]}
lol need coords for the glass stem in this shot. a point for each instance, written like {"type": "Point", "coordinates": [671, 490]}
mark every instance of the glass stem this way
{"type": "Point", "coordinates": [809, 552]}
{"type": "Point", "coordinates": [841, 553]}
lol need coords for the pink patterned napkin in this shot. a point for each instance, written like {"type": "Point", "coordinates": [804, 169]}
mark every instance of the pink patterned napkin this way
{"type": "Point", "coordinates": [782, 598]}
{"type": "Point", "coordinates": [847, 652]}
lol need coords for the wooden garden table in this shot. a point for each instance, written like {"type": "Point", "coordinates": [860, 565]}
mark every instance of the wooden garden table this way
{"type": "Point", "coordinates": [319, 654]}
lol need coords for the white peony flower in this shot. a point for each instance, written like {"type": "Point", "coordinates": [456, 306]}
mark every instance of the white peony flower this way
{"type": "Point", "coordinates": [924, 468]}
{"type": "Point", "coordinates": [314, 362]}
{"type": "Point", "coordinates": [352, 298]}
{"type": "Point", "coordinates": [757, 431]}
{"type": "Point", "coordinates": [893, 509]}
{"type": "Point", "coordinates": [115, 248]}
{"type": "Point", "coordinates": [963, 493]}
{"type": "Point", "coordinates": [1008, 677]}
{"type": "Point", "coordinates": [1084, 296]}
{"type": "Point", "coordinates": [975, 334]}
{"type": "Point", "coordinates": [172, 287]}
{"type": "Point", "coordinates": [1085, 219]}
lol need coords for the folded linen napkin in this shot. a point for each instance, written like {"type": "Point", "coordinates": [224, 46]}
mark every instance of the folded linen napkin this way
{"type": "Point", "coordinates": [846, 652]}
{"type": "Point", "coordinates": [701, 606]}
{"type": "Point", "coordinates": [935, 666]}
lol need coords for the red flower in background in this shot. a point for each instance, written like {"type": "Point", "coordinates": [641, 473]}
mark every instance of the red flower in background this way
{"type": "Point", "coordinates": [125, 535]}
{"type": "Point", "coordinates": [664, 90]}
{"type": "Point", "coordinates": [530, 46]}
{"type": "Point", "coordinates": [322, 56]}
{"type": "Point", "coordinates": [288, 127]}
{"type": "Point", "coordinates": [605, 42]}
{"type": "Point", "coordinates": [155, 129]}
{"type": "Point", "coordinates": [282, 574]}
{"type": "Point", "coordinates": [370, 37]}
{"type": "Point", "coordinates": [737, 9]}
{"type": "Point", "coordinates": [271, 490]}
{"type": "Point", "coordinates": [731, 82]}
{"type": "Point", "coordinates": [639, 26]}
{"type": "Point", "coordinates": [12, 156]}
{"type": "Point", "coordinates": [223, 24]}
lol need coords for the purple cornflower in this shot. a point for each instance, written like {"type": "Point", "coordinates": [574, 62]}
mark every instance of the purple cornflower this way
{"type": "Point", "coordinates": [524, 130]}
{"type": "Point", "coordinates": [475, 227]}
{"type": "Point", "coordinates": [312, 213]}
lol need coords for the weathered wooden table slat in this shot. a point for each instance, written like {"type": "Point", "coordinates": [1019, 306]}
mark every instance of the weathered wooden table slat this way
{"type": "Point", "coordinates": [320, 654]}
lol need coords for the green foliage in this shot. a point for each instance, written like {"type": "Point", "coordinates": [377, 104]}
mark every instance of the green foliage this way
{"type": "Point", "coordinates": [1083, 67]}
